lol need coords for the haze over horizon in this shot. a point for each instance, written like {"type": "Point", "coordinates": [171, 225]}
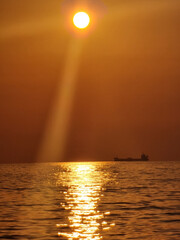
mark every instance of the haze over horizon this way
{"type": "Point", "coordinates": [127, 96]}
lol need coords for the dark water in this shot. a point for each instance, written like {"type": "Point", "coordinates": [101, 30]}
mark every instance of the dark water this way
{"type": "Point", "coordinates": [107, 200]}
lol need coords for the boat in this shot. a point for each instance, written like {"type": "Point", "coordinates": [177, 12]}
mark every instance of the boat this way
{"type": "Point", "coordinates": [143, 157]}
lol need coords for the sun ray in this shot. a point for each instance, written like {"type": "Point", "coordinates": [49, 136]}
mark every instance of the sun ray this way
{"type": "Point", "coordinates": [56, 131]}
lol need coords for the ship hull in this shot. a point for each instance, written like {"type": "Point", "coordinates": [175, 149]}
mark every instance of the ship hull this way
{"type": "Point", "coordinates": [143, 158]}
{"type": "Point", "coordinates": [130, 160]}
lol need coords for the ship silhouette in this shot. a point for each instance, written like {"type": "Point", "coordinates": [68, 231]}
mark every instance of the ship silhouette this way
{"type": "Point", "coordinates": [143, 157]}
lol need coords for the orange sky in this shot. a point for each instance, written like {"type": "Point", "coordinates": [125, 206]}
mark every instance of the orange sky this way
{"type": "Point", "coordinates": [128, 92]}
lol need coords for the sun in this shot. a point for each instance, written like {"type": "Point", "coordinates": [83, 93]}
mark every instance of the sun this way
{"type": "Point", "coordinates": [81, 20]}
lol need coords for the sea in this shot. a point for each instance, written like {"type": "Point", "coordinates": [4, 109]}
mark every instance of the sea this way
{"type": "Point", "coordinates": [90, 201]}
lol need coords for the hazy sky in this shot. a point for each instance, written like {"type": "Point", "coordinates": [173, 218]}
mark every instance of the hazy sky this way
{"type": "Point", "coordinates": [127, 95]}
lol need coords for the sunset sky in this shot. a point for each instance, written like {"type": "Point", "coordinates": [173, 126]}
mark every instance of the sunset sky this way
{"type": "Point", "coordinates": [127, 94]}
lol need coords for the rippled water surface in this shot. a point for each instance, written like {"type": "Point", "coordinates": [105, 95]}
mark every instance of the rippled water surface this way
{"type": "Point", "coordinates": [103, 200]}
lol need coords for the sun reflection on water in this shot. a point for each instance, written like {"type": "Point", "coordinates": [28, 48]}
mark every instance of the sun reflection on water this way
{"type": "Point", "coordinates": [84, 221]}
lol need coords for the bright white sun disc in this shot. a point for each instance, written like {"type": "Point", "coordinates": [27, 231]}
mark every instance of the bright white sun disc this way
{"type": "Point", "coordinates": [81, 20]}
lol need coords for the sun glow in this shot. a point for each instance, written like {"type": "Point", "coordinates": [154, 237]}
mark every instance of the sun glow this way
{"type": "Point", "coordinates": [81, 20]}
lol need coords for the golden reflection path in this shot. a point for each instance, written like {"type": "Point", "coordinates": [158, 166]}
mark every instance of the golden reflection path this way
{"type": "Point", "coordinates": [84, 192]}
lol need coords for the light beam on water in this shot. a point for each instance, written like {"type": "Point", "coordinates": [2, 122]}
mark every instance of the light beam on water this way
{"type": "Point", "coordinates": [56, 130]}
{"type": "Point", "coordinates": [83, 219]}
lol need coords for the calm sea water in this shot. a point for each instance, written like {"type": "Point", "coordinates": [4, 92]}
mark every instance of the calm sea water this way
{"type": "Point", "coordinates": [103, 200]}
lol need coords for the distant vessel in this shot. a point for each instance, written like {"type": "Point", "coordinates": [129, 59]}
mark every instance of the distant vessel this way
{"type": "Point", "coordinates": [144, 157]}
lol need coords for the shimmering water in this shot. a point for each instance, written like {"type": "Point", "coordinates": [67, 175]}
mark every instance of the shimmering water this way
{"type": "Point", "coordinates": [103, 200]}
